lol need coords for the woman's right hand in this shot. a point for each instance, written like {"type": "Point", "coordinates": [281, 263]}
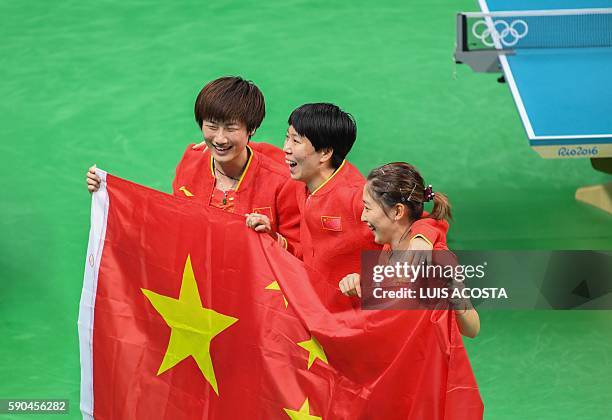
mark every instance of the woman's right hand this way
{"type": "Point", "coordinates": [93, 180]}
{"type": "Point", "coordinates": [350, 285]}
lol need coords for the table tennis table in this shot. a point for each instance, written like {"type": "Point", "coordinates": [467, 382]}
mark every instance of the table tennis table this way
{"type": "Point", "coordinates": [556, 57]}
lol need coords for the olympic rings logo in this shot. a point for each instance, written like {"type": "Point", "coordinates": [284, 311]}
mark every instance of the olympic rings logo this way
{"type": "Point", "coordinates": [500, 31]}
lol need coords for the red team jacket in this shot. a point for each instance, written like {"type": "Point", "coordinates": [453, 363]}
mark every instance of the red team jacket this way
{"type": "Point", "coordinates": [265, 187]}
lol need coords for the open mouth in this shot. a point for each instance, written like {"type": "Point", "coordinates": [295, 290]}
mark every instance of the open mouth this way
{"type": "Point", "coordinates": [291, 163]}
{"type": "Point", "coordinates": [222, 148]}
{"type": "Point", "coordinates": [371, 227]}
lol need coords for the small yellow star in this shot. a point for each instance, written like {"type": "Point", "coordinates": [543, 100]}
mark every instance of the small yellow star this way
{"type": "Point", "coordinates": [275, 286]}
{"type": "Point", "coordinates": [303, 414]}
{"type": "Point", "coordinates": [193, 326]}
{"type": "Point", "coordinates": [315, 351]}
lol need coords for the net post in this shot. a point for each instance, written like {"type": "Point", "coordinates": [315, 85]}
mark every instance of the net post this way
{"type": "Point", "coordinates": [461, 44]}
{"type": "Point", "coordinates": [480, 61]}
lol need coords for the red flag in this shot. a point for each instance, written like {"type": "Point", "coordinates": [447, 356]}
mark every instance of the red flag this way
{"type": "Point", "coordinates": [186, 313]}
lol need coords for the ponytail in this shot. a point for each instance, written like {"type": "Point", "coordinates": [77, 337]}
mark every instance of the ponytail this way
{"type": "Point", "coordinates": [441, 207]}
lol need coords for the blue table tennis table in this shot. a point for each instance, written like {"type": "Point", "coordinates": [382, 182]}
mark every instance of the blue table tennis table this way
{"type": "Point", "coordinates": [561, 84]}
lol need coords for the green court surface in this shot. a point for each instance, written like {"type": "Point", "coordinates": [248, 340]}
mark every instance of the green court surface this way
{"type": "Point", "coordinates": [113, 83]}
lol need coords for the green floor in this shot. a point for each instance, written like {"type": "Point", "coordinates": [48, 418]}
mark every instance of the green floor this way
{"type": "Point", "coordinates": [114, 83]}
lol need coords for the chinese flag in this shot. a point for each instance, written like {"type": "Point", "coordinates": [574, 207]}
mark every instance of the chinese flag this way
{"type": "Point", "coordinates": [187, 314]}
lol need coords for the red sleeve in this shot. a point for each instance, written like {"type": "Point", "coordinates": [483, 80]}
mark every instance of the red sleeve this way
{"type": "Point", "coordinates": [289, 217]}
{"type": "Point", "coordinates": [177, 182]}
{"type": "Point", "coordinates": [431, 229]}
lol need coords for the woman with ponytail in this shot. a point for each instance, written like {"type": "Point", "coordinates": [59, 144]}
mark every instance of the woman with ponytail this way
{"type": "Point", "coordinates": [393, 200]}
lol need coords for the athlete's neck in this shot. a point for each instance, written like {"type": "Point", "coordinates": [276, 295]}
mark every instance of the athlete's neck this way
{"type": "Point", "coordinates": [400, 241]}
{"type": "Point", "coordinates": [235, 167]}
{"type": "Point", "coordinates": [323, 175]}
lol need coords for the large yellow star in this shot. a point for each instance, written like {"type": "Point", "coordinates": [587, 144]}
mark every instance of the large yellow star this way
{"type": "Point", "coordinates": [275, 286]}
{"type": "Point", "coordinates": [303, 414]}
{"type": "Point", "coordinates": [315, 351]}
{"type": "Point", "coordinates": [193, 327]}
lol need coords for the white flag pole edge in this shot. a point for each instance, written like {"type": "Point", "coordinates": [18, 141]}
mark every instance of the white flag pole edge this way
{"type": "Point", "coordinates": [97, 234]}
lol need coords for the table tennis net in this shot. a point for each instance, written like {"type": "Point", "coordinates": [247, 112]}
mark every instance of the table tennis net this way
{"type": "Point", "coordinates": [581, 28]}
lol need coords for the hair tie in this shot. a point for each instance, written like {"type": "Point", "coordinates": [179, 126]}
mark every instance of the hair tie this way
{"type": "Point", "coordinates": [429, 194]}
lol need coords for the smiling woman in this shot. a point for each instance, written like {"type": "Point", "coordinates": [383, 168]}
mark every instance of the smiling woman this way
{"type": "Point", "coordinates": [230, 175]}
{"type": "Point", "coordinates": [229, 110]}
{"type": "Point", "coordinates": [319, 137]}
{"type": "Point", "coordinates": [393, 201]}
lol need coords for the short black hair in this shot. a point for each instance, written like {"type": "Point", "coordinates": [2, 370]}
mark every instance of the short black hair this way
{"type": "Point", "coordinates": [229, 99]}
{"type": "Point", "coordinates": [326, 126]}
